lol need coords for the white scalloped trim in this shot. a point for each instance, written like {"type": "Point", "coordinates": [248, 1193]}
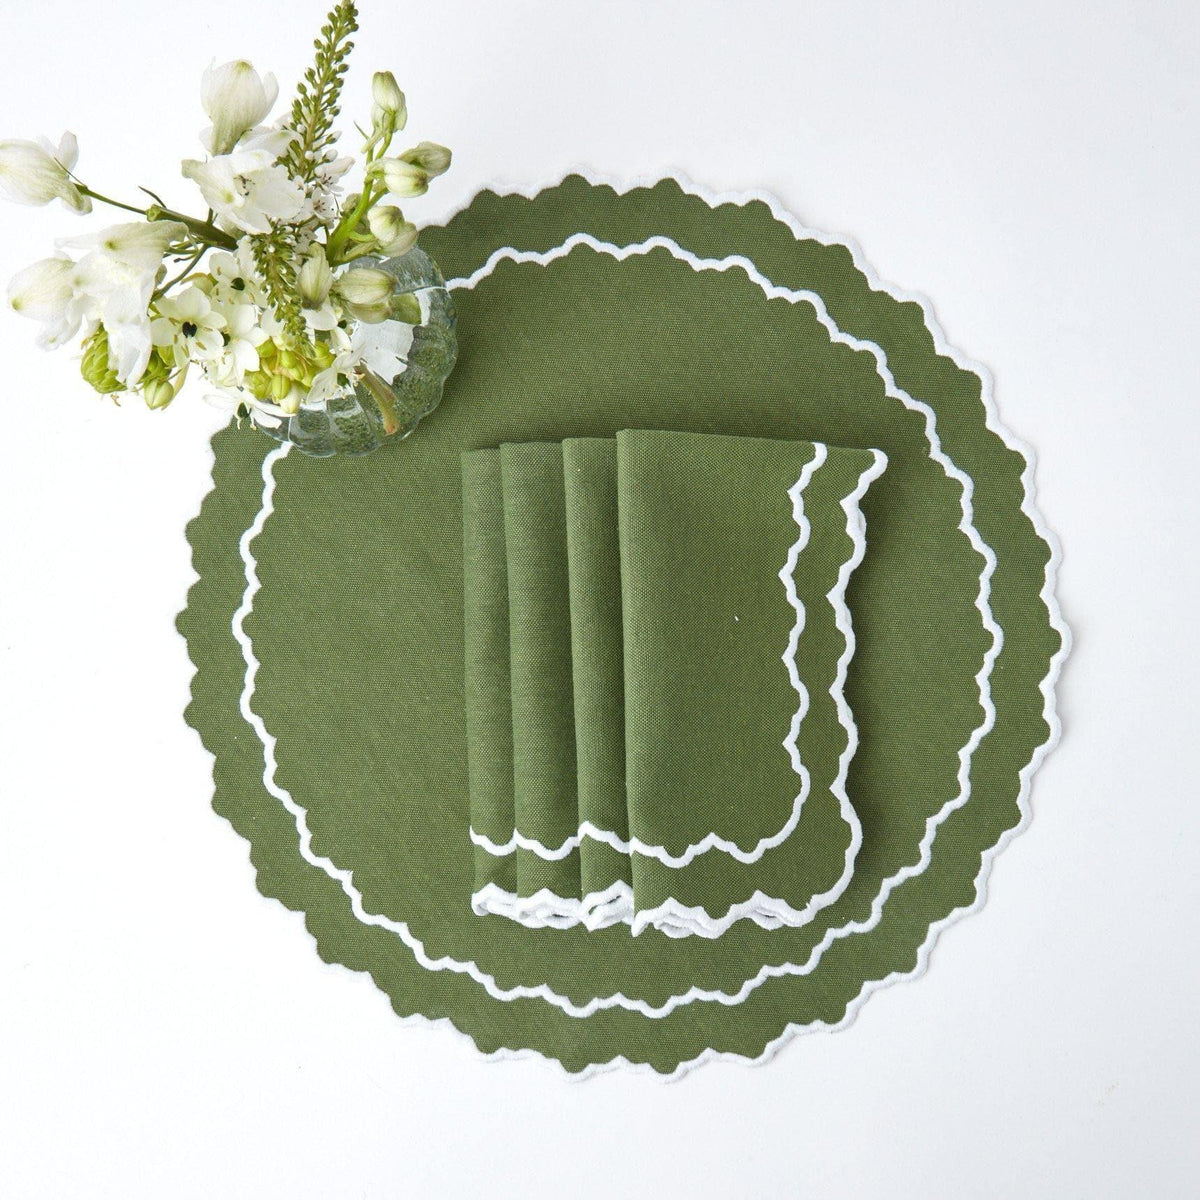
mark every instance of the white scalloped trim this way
{"type": "Point", "coordinates": [1050, 713]}
{"type": "Point", "coordinates": [548, 910]}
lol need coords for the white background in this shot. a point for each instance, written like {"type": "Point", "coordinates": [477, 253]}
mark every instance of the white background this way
{"type": "Point", "coordinates": [1032, 167]}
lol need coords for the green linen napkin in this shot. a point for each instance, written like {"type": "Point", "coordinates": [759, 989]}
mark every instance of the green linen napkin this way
{"type": "Point", "coordinates": [520, 702]}
{"type": "Point", "coordinates": [735, 557]}
{"type": "Point", "coordinates": [597, 655]}
{"type": "Point", "coordinates": [543, 719]}
{"type": "Point", "coordinates": [727, 816]}
{"type": "Point", "coordinates": [487, 677]}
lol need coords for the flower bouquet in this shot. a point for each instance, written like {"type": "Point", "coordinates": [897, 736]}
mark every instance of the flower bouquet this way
{"type": "Point", "coordinates": [311, 312]}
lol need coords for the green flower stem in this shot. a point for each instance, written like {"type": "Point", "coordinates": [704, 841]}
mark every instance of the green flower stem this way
{"type": "Point", "coordinates": [384, 397]}
{"type": "Point", "coordinates": [206, 231]}
{"type": "Point", "coordinates": [87, 191]}
{"type": "Point", "coordinates": [369, 198]}
{"type": "Point", "coordinates": [348, 224]}
{"type": "Point", "coordinates": [189, 267]}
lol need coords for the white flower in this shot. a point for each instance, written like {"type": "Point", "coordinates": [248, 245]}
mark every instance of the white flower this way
{"type": "Point", "coordinates": [136, 247]}
{"type": "Point", "coordinates": [236, 100]}
{"type": "Point", "coordinates": [275, 139]}
{"type": "Point", "coordinates": [402, 178]}
{"type": "Point", "coordinates": [188, 328]}
{"type": "Point", "coordinates": [320, 200]}
{"type": "Point", "coordinates": [247, 189]}
{"type": "Point", "coordinates": [262, 412]}
{"type": "Point", "coordinates": [395, 235]}
{"type": "Point", "coordinates": [110, 285]}
{"type": "Point", "coordinates": [115, 280]}
{"type": "Point", "coordinates": [236, 279]}
{"type": "Point", "coordinates": [36, 172]}
{"type": "Point", "coordinates": [383, 348]}
{"type": "Point", "coordinates": [46, 292]}
{"type": "Point", "coordinates": [242, 336]}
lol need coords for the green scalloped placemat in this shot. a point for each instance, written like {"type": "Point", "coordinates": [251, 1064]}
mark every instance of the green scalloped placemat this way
{"type": "Point", "coordinates": [406, 626]}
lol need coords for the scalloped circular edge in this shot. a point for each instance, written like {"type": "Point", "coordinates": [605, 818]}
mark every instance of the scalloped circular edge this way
{"type": "Point", "coordinates": [1047, 594]}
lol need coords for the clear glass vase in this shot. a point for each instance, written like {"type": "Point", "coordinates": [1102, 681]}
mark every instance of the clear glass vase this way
{"type": "Point", "coordinates": [373, 412]}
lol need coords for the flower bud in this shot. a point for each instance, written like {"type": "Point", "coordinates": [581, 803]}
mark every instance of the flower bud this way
{"type": "Point", "coordinates": [389, 99]}
{"type": "Point", "coordinates": [366, 293]}
{"type": "Point", "coordinates": [281, 386]}
{"type": "Point", "coordinates": [96, 367]}
{"type": "Point", "coordinates": [236, 99]}
{"type": "Point", "coordinates": [403, 178]}
{"type": "Point", "coordinates": [395, 235]}
{"type": "Point", "coordinates": [158, 393]}
{"type": "Point", "coordinates": [433, 159]}
{"type": "Point", "coordinates": [36, 172]}
{"type": "Point", "coordinates": [315, 278]}
{"type": "Point", "coordinates": [365, 286]}
{"type": "Point", "coordinates": [291, 402]}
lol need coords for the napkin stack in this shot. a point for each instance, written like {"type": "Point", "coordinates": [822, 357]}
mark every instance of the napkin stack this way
{"type": "Point", "coordinates": [623, 599]}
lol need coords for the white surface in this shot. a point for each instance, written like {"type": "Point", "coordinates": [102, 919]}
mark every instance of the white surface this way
{"type": "Point", "coordinates": [1033, 167]}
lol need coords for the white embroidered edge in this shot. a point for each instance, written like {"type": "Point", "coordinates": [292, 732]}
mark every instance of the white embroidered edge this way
{"type": "Point", "coordinates": [547, 908]}
{"type": "Point", "coordinates": [1028, 507]}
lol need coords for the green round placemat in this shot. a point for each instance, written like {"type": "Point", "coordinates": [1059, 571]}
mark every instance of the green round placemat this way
{"type": "Point", "coordinates": [385, 528]}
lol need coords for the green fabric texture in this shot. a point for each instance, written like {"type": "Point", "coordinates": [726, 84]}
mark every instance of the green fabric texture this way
{"type": "Point", "coordinates": [707, 526]}
{"type": "Point", "coordinates": [543, 715]}
{"type": "Point", "coordinates": [357, 630]}
{"type": "Point", "coordinates": [733, 817]}
{"type": "Point", "coordinates": [487, 676]}
{"type": "Point", "coordinates": [597, 655]}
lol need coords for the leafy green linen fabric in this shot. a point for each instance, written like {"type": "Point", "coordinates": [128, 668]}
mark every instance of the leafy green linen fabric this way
{"type": "Point", "coordinates": [713, 643]}
{"type": "Point", "coordinates": [597, 657]}
{"type": "Point", "coordinates": [487, 683]}
{"type": "Point", "coordinates": [327, 625]}
{"type": "Point", "coordinates": [543, 716]}
{"type": "Point", "coordinates": [730, 558]}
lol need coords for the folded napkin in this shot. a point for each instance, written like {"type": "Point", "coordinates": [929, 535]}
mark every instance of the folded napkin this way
{"type": "Point", "coordinates": [487, 680]}
{"type": "Point", "coordinates": [546, 805]}
{"type": "Point", "coordinates": [597, 655]}
{"type": "Point", "coordinates": [519, 687]}
{"type": "Point", "coordinates": [735, 557]}
{"type": "Point", "coordinates": [677, 640]}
